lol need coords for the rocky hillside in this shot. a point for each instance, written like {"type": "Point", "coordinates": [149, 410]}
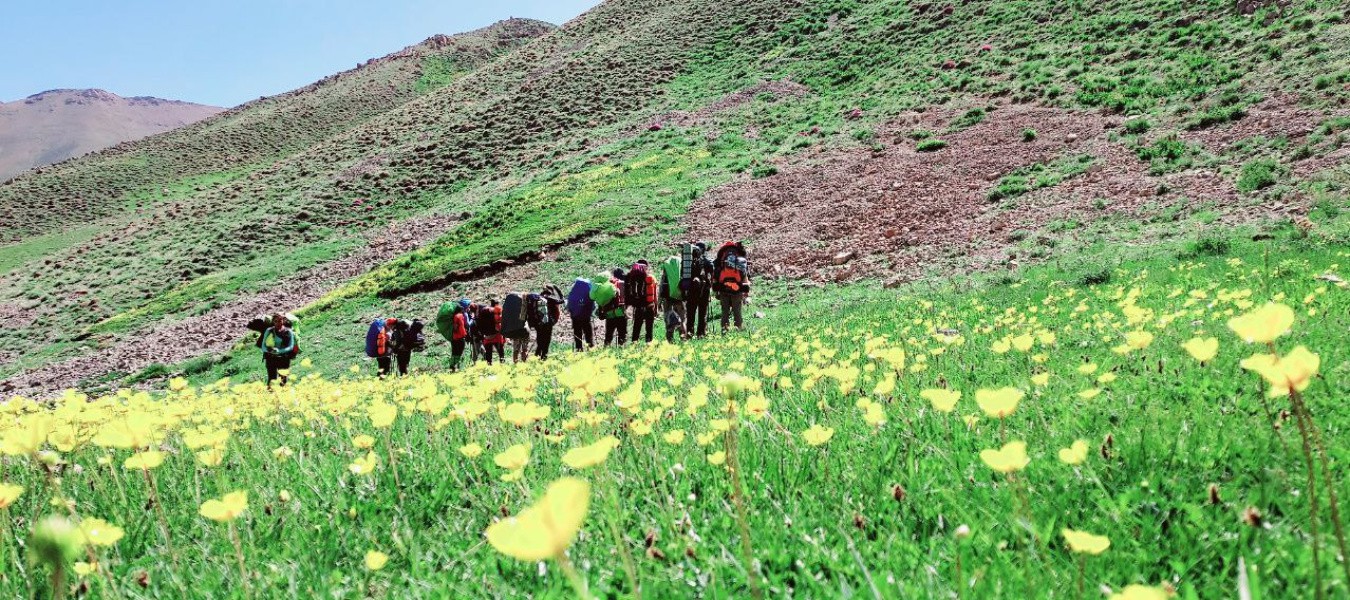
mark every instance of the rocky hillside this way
{"type": "Point", "coordinates": [844, 139]}
{"type": "Point", "coordinates": [56, 125]}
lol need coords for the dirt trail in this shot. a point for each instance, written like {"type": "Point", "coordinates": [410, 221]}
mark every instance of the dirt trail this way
{"type": "Point", "coordinates": [219, 329]}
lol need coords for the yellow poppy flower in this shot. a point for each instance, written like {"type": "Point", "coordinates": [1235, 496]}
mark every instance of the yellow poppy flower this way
{"type": "Point", "coordinates": [1083, 542]}
{"type": "Point", "coordinates": [98, 532]}
{"type": "Point", "coordinates": [1202, 349]}
{"type": "Point", "coordinates": [717, 458]}
{"type": "Point", "coordinates": [942, 400]}
{"type": "Point", "coordinates": [817, 435]}
{"type": "Point", "coordinates": [471, 450]}
{"type": "Point", "coordinates": [375, 560]}
{"type": "Point", "coordinates": [513, 458]}
{"type": "Point", "coordinates": [1140, 592]}
{"type": "Point", "coordinates": [1075, 454]}
{"type": "Point", "coordinates": [1264, 324]}
{"type": "Point", "coordinates": [228, 508]}
{"type": "Point", "coordinates": [147, 460]}
{"type": "Point", "coordinates": [9, 492]}
{"type": "Point", "coordinates": [590, 455]}
{"type": "Point", "coordinates": [363, 442]}
{"type": "Point", "coordinates": [1012, 457]}
{"type": "Point", "coordinates": [998, 403]}
{"type": "Point", "coordinates": [546, 529]}
{"type": "Point", "coordinates": [674, 437]}
{"type": "Point", "coordinates": [364, 466]}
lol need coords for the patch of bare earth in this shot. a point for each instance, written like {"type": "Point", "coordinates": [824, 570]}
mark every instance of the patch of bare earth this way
{"type": "Point", "coordinates": [219, 329]}
{"type": "Point", "coordinates": [895, 212]}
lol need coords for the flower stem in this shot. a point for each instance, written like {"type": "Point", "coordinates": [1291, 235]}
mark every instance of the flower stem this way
{"type": "Point", "coordinates": [1329, 482]}
{"type": "Point", "coordinates": [614, 530]}
{"type": "Point", "coordinates": [578, 584]}
{"type": "Point", "coordinates": [239, 556]}
{"type": "Point", "coordinates": [1299, 418]}
{"type": "Point", "coordinates": [738, 499]}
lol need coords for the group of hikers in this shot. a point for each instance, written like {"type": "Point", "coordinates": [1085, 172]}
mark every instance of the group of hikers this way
{"type": "Point", "coordinates": [680, 288]}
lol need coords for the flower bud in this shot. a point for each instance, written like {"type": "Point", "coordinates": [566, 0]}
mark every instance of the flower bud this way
{"type": "Point", "coordinates": [962, 532]}
{"type": "Point", "coordinates": [56, 541]}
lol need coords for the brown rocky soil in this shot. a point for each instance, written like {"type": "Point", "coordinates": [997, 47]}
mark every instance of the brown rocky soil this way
{"type": "Point", "coordinates": [900, 211]}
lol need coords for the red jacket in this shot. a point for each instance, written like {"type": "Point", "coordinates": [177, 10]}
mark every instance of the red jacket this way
{"type": "Point", "coordinates": [461, 329]}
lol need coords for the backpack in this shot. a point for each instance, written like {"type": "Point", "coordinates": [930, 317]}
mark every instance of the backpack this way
{"type": "Point", "coordinates": [732, 276]}
{"type": "Point", "coordinates": [536, 311]}
{"type": "Point", "coordinates": [445, 320]}
{"type": "Point", "coordinates": [259, 323]}
{"type": "Point", "coordinates": [486, 323]}
{"type": "Point", "coordinates": [579, 299]}
{"type": "Point", "coordinates": [635, 286]}
{"type": "Point", "coordinates": [416, 339]}
{"type": "Point", "coordinates": [376, 340]}
{"type": "Point", "coordinates": [672, 274]}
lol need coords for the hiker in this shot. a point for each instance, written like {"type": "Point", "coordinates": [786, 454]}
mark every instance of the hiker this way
{"type": "Point", "coordinates": [640, 293]}
{"type": "Point", "coordinates": [488, 327]}
{"type": "Point", "coordinates": [471, 310]}
{"type": "Point", "coordinates": [733, 282]}
{"type": "Point", "coordinates": [278, 347]}
{"type": "Point", "coordinates": [607, 296]}
{"type": "Point", "coordinates": [378, 346]}
{"type": "Point", "coordinates": [453, 325]}
{"type": "Point", "coordinates": [406, 339]}
{"type": "Point", "coordinates": [579, 307]}
{"type": "Point", "coordinates": [515, 327]}
{"type": "Point", "coordinates": [672, 298]}
{"type": "Point", "coordinates": [698, 289]}
{"type": "Point", "coordinates": [542, 313]}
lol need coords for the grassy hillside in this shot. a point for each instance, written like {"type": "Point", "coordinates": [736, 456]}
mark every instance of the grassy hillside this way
{"type": "Point", "coordinates": [247, 138]}
{"type": "Point", "coordinates": [854, 480]}
{"type": "Point", "coordinates": [617, 123]}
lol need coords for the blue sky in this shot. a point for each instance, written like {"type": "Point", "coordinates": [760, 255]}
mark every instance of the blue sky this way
{"type": "Point", "coordinates": [224, 53]}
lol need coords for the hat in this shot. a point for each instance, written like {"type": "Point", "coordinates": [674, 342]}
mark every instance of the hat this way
{"type": "Point", "coordinates": [465, 302]}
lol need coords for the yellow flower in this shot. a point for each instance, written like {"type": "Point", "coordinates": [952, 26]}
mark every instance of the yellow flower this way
{"type": "Point", "coordinates": [1075, 454]}
{"type": "Point", "coordinates": [1138, 340]}
{"type": "Point", "coordinates": [1264, 324]}
{"type": "Point", "coordinates": [227, 508]}
{"type": "Point", "coordinates": [1022, 343]}
{"type": "Point", "coordinates": [364, 466]}
{"type": "Point", "coordinates": [515, 475]}
{"type": "Point", "coordinates": [363, 442]}
{"type": "Point", "coordinates": [1140, 592]}
{"type": "Point", "coordinates": [211, 457]}
{"type": "Point", "coordinates": [547, 528]}
{"type": "Point", "coordinates": [8, 494]}
{"type": "Point", "coordinates": [998, 403]}
{"type": "Point", "coordinates": [942, 400]}
{"type": "Point", "coordinates": [382, 415]}
{"type": "Point", "coordinates": [1089, 393]}
{"type": "Point", "coordinates": [1293, 371]}
{"type": "Point", "coordinates": [375, 560]}
{"type": "Point", "coordinates": [1106, 377]}
{"type": "Point", "coordinates": [284, 496]}
{"type": "Point", "coordinates": [355, 368]}
{"type": "Point", "coordinates": [1012, 457]}
{"type": "Point", "coordinates": [817, 435]}
{"type": "Point", "coordinates": [1002, 346]}
{"type": "Point", "coordinates": [674, 437]}
{"type": "Point", "coordinates": [514, 458]}
{"type": "Point", "coordinates": [147, 460]}
{"type": "Point", "coordinates": [717, 458]}
{"type": "Point", "coordinates": [83, 569]}
{"type": "Point", "coordinates": [1040, 379]}
{"type": "Point", "coordinates": [1087, 368]}
{"type": "Point", "coordinates": [732, 384]}
{"type": "Point", "coordinates": [471, 450]}
{"type": "Point", "coordinates": [591, 455]}
{"type": "Point", "coordinates": [1083, 542]}
{"type": "Point", "coordinates": [1202, 349]}
{"type": "Point", "coordinates": [98, 532]}
{"type": "Point", "coordinates": [283, 453]}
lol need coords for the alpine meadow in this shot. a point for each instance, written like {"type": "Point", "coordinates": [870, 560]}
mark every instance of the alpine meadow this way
{"type": "Point", "coordinates": [967, 299]}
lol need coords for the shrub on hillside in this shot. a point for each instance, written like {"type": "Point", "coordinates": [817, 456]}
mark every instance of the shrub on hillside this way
{"type": "Point", "coordinates": [1259, 174]}
{"type": "Point", "coordinates": [930, 145]}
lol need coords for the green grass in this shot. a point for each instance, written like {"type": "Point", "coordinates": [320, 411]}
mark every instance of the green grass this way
{"type": "Point", "coordinates": [1040, 175]}
{"type": "Point", "coordinates": [15, 255]}
{"type": "Point", "coordinates": [871, 505]}
{"type": "Point", "coordinates": [1259, 174]}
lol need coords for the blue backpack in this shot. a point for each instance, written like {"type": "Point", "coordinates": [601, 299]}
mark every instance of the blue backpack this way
{"type": "Point", "coordinates": [373, 339]}
{"type": "Point", "coordinates": [579, 303]}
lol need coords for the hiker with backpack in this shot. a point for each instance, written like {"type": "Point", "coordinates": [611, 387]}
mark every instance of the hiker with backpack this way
{"type": "Point", "coordinates": [542, 312]}
{"type": "Point", "coordinates": [579, 308]}
{"type": "Point", "coordinates": [672, 298]}
{"type": "Point", "coordinates": [697, 289]}
{"type": "Point", "coordinates": [733, 282]}
{"type": "Point", "coordinates": [515, 326]}
{"type": "Point", "coordinates": [378, 344]}
{"type": "Point", "coordinates": [278, 346]}
{"type": "Point", "coordinates": [488, 326]}
{"type": "Point", "coordinates": [471, 310]}
{"type": "Point", "coordinates": [640, 293]}
{"type": "Point", "coordinates": [406, 339]}
{"type": "Point", "coordinates": [607, 296]}
{"type": "Point", "coordinates": [453, 325]}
